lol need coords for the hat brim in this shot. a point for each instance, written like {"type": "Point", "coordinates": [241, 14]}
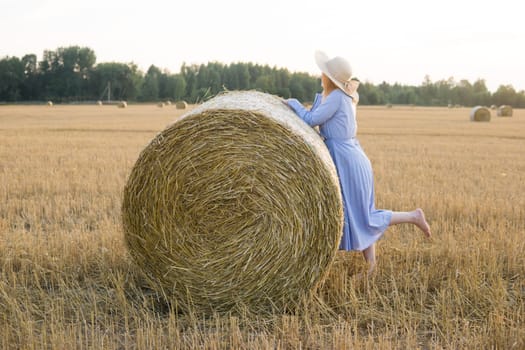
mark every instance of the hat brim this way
{"type": "Point", "coordinates": [321, 59]}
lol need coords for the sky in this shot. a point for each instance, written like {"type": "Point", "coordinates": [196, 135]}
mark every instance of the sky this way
{"type": "Point", "coordinates": [393, 41]}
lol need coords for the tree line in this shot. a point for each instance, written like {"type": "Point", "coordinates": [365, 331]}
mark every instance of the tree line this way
{"type": "Point", "coordinates": [71, 74]}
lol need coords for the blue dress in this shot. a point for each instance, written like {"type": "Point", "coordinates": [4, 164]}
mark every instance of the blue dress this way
{"type": "Point", "coordinates": [363, 223]}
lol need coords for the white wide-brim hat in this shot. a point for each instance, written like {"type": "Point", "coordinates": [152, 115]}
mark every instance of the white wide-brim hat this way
{"type": "Point", "coordinates": [339, 71]}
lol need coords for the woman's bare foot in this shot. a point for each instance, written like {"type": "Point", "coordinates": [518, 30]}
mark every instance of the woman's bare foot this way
{"type": "Point", "coordinates": [370, 272]}
{"type": "Point", "coordinates": [371, 268]}
{"type": "Point", "coordinates": [421, 222]}
{"type": "Point", "coordinates": [370, 256]}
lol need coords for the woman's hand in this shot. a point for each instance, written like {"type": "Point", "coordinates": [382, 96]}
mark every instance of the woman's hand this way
{"type": "Point", "coordinates": [285, 101]}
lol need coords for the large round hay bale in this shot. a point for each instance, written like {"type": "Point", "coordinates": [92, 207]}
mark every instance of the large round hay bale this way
{"type": "Point", "coordinates": [480, 114]}
{"type": "Point", "coordinates": [122, 104]}
{"type": "Point", "coordinates": [235, 204]}
{"type": "Point", "coordinates": [160, 104]}
{"type": "Point", "coordinates": [99, 103]}
{"type": "Point", "coordinates": [49, 103]}
{"type": "Point", "coordinates": [504, 111]}
{"type": "Point", "coordinates": [181, 105]}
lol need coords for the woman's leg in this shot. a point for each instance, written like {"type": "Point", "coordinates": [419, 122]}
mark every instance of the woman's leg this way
{"type": "Point", "coordinates": [416, 217]}
{"type": "Point", "coordinates": [370, 256]}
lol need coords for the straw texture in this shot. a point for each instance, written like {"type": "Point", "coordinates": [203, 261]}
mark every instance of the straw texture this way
{"type": "Point", "coordinates": [480, 114]}
{"type": "Point", "coordinates": [181, 105]}
{"type": "Point", "coordinates": [504, 111]}
{"type": "Point", "coordinates": [236, 204]}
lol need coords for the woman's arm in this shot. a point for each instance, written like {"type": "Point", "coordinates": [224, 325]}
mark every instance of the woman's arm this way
{"type": "Point", "coordinates": [318, 116]}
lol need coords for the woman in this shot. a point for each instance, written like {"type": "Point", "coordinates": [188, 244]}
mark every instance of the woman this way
{"type": "Point", "coordinates": [334, 112]}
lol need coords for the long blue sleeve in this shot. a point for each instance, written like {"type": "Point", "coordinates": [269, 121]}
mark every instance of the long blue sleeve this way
{"type": "Point", "coordinates": [316, 116]}
{"type": "Point", "coordinates": [317, 101]}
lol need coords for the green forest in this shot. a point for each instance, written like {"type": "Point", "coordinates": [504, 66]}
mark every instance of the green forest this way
{"type": "Point", "coordinates": [72, 74]}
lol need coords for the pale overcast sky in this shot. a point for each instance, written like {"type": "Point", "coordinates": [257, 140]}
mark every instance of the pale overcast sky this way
{"type": "Point", "coordinates": [393, 41]}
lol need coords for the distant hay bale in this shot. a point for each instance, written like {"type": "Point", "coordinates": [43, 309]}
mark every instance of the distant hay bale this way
{"type": "Point", "coordinates": [504, 111]}
{"type": "Point", "coordinates": [49, 103]}
{"type": "Point", "coordinates": [450, 105]}
{"type": "Point", "coordinates": [389, 105]}
{"type": "Point", "coordinates": [480, 114]}
{"type": "Point", "coordinates": [181, 105]}
{"type": "Point", "coordinates": [99, 103]}
{"type": "Point", "coordinates": [122, 104]}
{"type": "Point", "coordinates": [168, 103]}
{"type": "Point", "coordinates": [160, 104]}
{"type": "Point", "coordinates": [493, 107]}
{"type": "Point", "coordinates": [237, 203]}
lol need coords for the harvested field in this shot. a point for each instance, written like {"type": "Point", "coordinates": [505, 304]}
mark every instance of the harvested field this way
{"type": "Point", "coordinates": [67, 280]}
